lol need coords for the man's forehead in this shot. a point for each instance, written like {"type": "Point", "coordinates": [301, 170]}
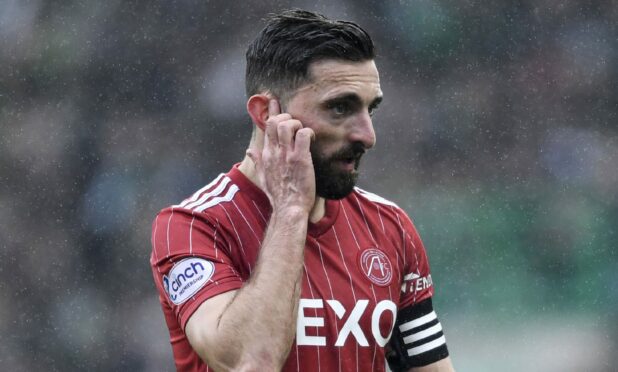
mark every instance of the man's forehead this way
{"type": "Point", "coordinates": [332, 77]}
{"type": "Point", "coordinates": [341, 71]}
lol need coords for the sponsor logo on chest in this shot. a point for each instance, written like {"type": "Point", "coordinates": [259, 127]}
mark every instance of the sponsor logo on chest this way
{"type": "Point", "coordinates": [351, 327]}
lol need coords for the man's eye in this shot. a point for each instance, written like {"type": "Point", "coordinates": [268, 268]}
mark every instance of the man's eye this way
{"type": "Point", "coordinates": [339, 109]}
{"type": "Point", "coordinates": [372, 110]}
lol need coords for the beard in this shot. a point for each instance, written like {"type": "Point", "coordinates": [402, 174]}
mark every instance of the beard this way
{"type": "Point", "coordinates": [332, 182]}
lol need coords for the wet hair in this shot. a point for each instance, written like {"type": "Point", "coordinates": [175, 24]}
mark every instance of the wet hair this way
{"type": "Point", "coordinates": [278, 59]}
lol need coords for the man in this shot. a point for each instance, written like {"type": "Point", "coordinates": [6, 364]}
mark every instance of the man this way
{"type": "Point", "coordinates": [281, 263]}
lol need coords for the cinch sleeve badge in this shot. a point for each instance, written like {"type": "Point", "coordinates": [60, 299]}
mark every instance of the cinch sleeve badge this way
{"type": "Point", "coordinates": [186, 278]}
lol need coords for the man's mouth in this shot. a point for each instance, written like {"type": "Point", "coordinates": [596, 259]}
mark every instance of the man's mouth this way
{"type": "Point", "coordinates": [351, 161]}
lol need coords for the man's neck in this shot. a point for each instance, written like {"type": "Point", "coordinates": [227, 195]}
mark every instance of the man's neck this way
{"type": "Point", "coordinates": [247, 167]}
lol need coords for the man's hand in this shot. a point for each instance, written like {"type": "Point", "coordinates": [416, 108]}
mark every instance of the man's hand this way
{"type": "Point", "coordinates": [228, 330]}
{"type": "Point", "coordinates": [284, 166]}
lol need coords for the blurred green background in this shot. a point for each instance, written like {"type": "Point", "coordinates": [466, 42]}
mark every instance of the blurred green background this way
{"type": "Point", "coordinates": [498, 135]}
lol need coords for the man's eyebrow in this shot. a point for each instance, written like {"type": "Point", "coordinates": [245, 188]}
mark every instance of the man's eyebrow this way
{"type": "Point", "coordinates": [376, 101]}
{"type": "Point", "coordinates": [352, 98]}
{"type": "Point", "coordinates": [347, 97]}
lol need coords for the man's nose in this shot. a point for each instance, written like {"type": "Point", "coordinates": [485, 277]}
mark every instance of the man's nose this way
{"type": "Point", "coordinates": [363, 132]}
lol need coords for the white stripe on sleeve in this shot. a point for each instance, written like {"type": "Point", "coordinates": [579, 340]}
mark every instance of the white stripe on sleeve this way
{"type": "Point", "coordinates": [218, 190]}
{"type": "Point", "coordinates": [422, 334]}
{"type": "Point", "coordinates": [214, 201]}
{"type": "Point", "coordinates": [418, 322]}
{"type": "Point", "coordinates": [426, 347]}
{"type": "Point", "coordinates": [198, 192]}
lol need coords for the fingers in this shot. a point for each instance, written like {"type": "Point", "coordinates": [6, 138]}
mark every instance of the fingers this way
{"type": "Point", "coordinates": [272, 122]}
{"type": "Point", "coordinates": [280, 128]}
{"type": "Point", "coordinates": [286, 132]}
{"type": "Point", "coordinates": [273, 108]}
{"type": "Point", "coordinates": [303, 139]}
{"type": "Point", "coordinates": [283, 164]}
{"type": "Point", "coordinates": [271, 137]}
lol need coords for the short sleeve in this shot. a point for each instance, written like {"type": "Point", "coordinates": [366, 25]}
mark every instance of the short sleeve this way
{"type": "Point", "coordinates": [417, 284]}
{"type": "Point", "coordinates": [417, 338]}
{"type": "Point", "coordinates": [190, 260]}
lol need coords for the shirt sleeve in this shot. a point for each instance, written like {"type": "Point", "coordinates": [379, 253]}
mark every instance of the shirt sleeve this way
{"type": "Point", "coordinates": [417, 338]}
{"type": "Point", "coordinates": [417, 284]}
{"type": "Point", "coordinates": [190, 260]}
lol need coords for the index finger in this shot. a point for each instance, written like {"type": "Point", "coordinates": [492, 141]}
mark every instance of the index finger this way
{"type": "Point", "coordinates": [273, 108]}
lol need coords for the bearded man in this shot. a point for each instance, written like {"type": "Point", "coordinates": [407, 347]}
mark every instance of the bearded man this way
{"type": "Point", "coordinates": [282, 263]}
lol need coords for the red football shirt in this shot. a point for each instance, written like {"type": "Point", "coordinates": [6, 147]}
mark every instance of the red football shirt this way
{"type": "Point", "coordinates": [364, 262]}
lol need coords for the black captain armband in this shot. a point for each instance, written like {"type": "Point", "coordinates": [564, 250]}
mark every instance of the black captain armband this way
{"type": "Point", "coordinates": [417, 338]}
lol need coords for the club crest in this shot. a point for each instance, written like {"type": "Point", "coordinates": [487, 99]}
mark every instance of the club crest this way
{"type": "Point", "coordinates": [376, 266]}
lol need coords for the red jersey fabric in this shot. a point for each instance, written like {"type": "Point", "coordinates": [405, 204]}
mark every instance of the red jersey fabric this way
{"type": "Point", "coordinates": [364, 262]}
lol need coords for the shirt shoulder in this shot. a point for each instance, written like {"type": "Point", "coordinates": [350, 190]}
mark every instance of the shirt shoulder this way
{"type": "Point", "coordinates": [220, 190]}
{"type": "Point", "coordinates": [206, 205]}
{"type": "Point", "coordinates": [387, 209]}
{"type": "Point", "coordinates": [374, 198]}
{"type": "Point", "coordinates": [177, 228]}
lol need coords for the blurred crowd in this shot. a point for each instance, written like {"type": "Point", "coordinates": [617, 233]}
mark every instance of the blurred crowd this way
{"type": "Point", "coordinates": [498, 134]}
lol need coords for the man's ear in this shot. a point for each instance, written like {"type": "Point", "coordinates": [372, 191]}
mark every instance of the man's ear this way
{"type": "Point", "coordinates": [257, 107]}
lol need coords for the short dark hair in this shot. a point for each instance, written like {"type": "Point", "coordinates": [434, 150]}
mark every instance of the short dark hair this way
{"type": "Point", "coordinates": [278, 59]}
